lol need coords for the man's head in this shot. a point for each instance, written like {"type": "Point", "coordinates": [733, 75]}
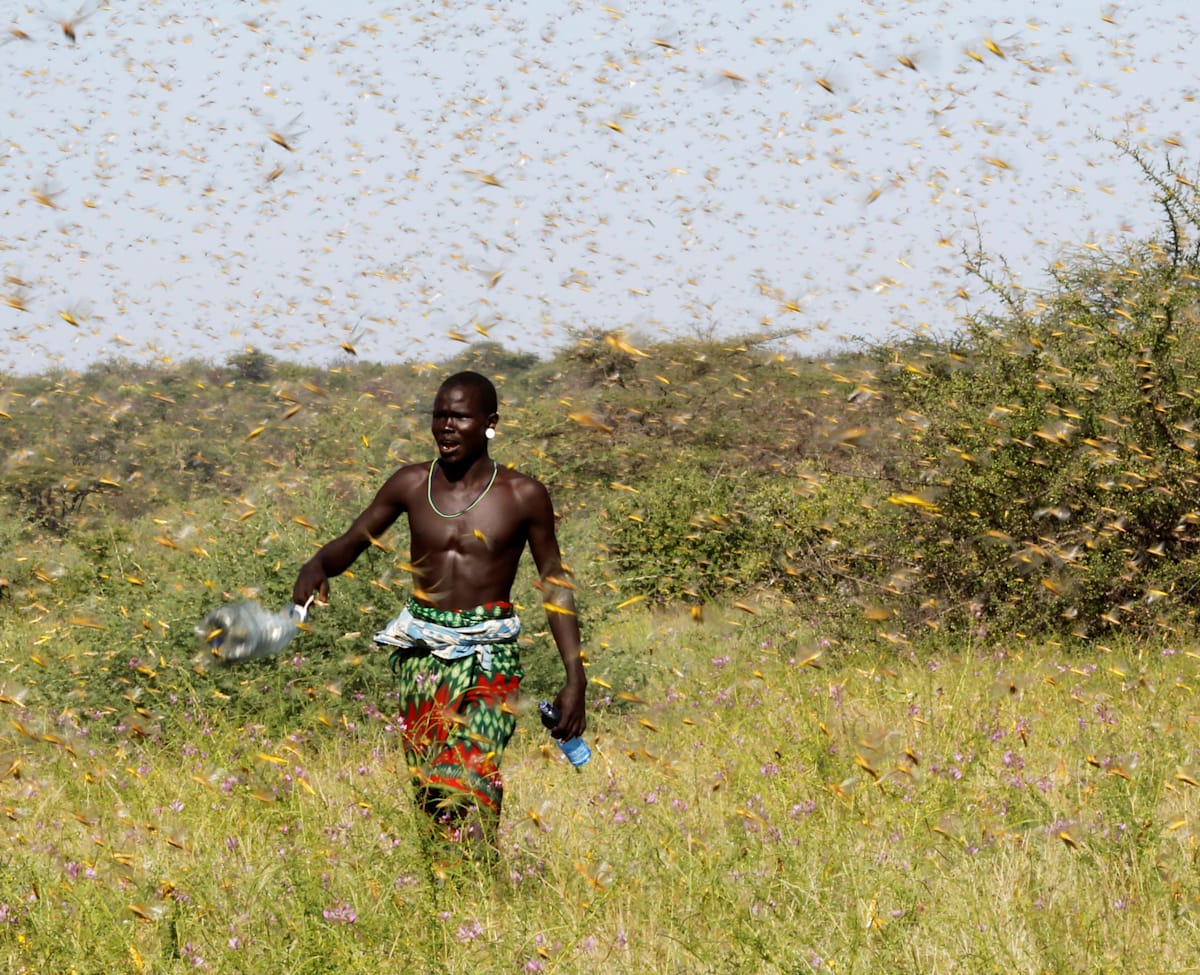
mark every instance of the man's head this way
{"type": "Point", "coordinates": [464, 415]}
{"type": "Point", "coordinates": [481, 384]}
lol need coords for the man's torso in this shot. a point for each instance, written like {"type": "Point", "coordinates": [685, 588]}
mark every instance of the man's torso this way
{"type": "Point", "coordinates": [465, 546]}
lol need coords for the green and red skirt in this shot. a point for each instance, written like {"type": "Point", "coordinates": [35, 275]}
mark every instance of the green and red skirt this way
{"type": "Point", "coordinates": [458, 714]}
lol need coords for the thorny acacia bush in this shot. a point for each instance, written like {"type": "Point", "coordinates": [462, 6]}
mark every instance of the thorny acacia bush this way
{"type": "Point", "coordinates": [1052, 449]}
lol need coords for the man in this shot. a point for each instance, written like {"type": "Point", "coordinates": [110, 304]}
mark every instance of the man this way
{"type": "Point", "coordinates": [454, 645]}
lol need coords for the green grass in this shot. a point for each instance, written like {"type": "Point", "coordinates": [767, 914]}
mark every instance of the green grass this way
{"type": "Point", "coordinates": [765, 802]}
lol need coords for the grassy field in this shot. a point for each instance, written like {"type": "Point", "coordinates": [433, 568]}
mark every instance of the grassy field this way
{"type": "Point", "coordinates": [769, 801]}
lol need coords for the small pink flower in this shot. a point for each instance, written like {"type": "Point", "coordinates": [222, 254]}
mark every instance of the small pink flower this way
{"type": "Point", "coordinates": [340, 913]}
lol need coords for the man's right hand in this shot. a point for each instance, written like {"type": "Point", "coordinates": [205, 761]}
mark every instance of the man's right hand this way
{"type": "Point", "coordinates": [311, 581]}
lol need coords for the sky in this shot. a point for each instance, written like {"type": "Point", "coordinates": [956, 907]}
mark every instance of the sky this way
{"type": "Point", "coordinates": [184, 180]}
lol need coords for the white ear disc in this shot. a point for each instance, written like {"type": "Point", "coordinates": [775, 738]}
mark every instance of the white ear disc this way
{"type": "Point", "coordinates": [490, 433]}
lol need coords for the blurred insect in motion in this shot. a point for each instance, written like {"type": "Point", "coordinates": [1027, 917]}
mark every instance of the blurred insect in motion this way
{"type": "Point", "coordinates": [17, 293]}
{"type": "Point", "coordinates": [77, 313]}
{"type": "Point", "coordinates": [47, 195]}
{"type": "Point", "coordinates": [348, 343]}
{"type": "Point", "coordinates": [285, 136]}
{"type": "Point", "coordinates": [69, 25]}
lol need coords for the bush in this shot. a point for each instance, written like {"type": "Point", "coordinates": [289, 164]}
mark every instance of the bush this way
{"type": "Point", "coordinates": [1053, 448]}
{"type": "Point", "coordinates": [701, 532]}
{"type": "Point", "coordinates": [251, 366]}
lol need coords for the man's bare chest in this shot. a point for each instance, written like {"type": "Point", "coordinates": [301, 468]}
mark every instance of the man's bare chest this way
{"type": "Point", "coordinates": [494, 525]}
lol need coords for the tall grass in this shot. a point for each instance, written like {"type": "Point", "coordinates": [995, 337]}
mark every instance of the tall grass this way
{"type": "Point", "coordinates": [767, 801]}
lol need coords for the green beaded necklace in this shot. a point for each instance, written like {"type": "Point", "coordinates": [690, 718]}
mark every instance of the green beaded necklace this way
{"type": "Point", "coordinates": [482, 494]}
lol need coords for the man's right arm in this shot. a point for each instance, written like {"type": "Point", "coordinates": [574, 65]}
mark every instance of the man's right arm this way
{"type": "Point", "coordinates": [335, 557]}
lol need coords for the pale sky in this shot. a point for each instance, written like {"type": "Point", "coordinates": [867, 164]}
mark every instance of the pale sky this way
{"type": "Point", "coordinates": [530, 170]}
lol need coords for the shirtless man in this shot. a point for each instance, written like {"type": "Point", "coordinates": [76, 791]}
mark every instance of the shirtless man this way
{"type": "Point", "coordinates": [454, 645]}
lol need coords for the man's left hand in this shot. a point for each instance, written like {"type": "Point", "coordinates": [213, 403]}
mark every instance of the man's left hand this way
{"type": "Point", "coordinates": [572, 721]}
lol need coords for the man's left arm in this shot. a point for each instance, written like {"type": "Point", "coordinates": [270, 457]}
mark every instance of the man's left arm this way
{"type": "Point", "coordinates": [558, 599]}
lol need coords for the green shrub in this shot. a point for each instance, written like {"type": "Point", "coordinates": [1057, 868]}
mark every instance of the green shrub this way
{"type": "Point", "coordinates": [1054, 446]}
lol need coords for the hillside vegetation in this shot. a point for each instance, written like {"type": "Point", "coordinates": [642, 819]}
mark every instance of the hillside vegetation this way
{"type": "Point", "coordinates": [1035, 472]}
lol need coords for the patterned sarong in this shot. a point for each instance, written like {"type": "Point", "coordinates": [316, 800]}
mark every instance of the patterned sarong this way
{"type": "Point", "coordinates": [459, 673]}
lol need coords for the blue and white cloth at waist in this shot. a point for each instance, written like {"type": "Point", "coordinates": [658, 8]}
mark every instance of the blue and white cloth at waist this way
{"type": "Point", "coordinates": [407, 632]}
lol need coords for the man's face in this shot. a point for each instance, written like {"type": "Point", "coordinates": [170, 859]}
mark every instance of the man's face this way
{"type": "Point", "coordinates": [460, 424]}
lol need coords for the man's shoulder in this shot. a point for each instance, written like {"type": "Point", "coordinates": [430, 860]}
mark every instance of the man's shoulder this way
{"type": "Point", "coordinates": [520, 483]}
{"type": "Point", "coordinates": [516, 477]}
{"type": "Point", "coordinates": [407, 477]}
{"type": "Point", "coordinates": [419, 468]}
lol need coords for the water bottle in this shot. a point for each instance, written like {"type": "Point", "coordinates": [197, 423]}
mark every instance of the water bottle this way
{"type": "Point", "coordinates": [244, 631]}
{"type": "Point", "coordinates": [577, 750]}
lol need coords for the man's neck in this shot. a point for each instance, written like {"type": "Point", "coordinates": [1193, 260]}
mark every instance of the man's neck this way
{"type": "Point", "coordinates": [462, 470]}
